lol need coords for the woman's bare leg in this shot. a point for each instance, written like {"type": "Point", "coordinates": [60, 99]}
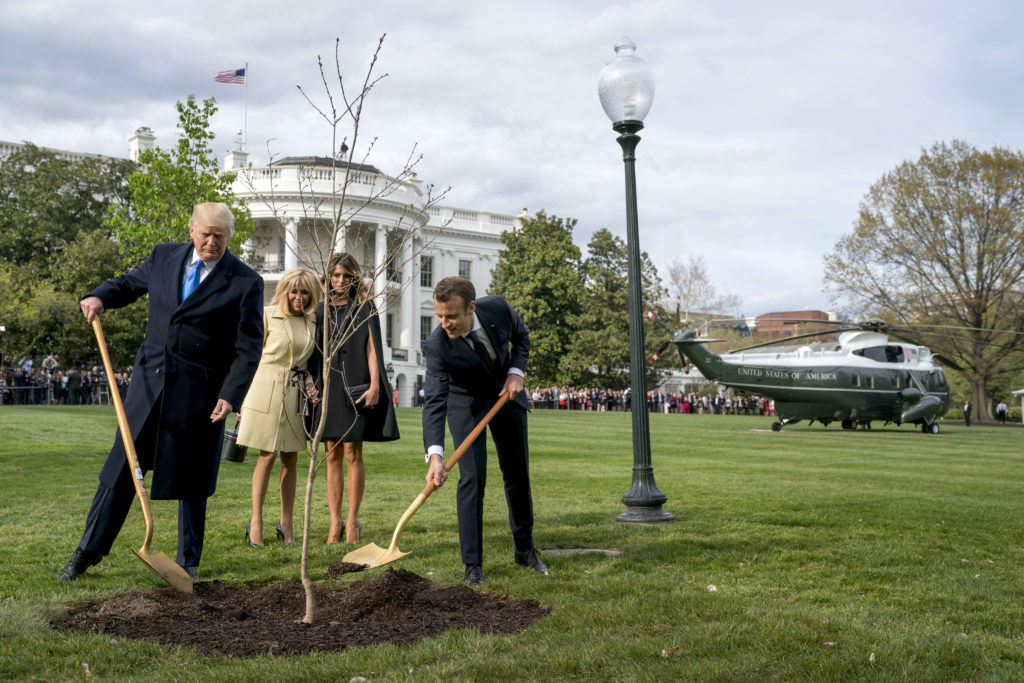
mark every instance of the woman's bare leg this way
{"type": "Point", "coordinates": [287, 483]}
{"type": "Point", "coordinates": [356, 480]}
{"type": "Point", "coordinates": [260, 481]}
{"type": "Point", "coordinates": [335, 486]}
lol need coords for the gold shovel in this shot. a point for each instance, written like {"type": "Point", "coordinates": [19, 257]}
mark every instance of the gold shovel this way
{"type": "Point", "coordinates": [373, 555]}
{"type": "Point", "coordinates": [163, 566]}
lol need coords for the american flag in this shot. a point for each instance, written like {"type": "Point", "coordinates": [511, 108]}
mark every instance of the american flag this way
{"type": "Point", "coordinates": [231, 76]}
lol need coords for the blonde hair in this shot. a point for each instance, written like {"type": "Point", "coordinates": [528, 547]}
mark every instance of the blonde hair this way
{"type": "Point", "coordinates": [359, 291]}
{"type": "Point", "coordinates": [212, 214]}
{"type": "Point", "coordinates": [296, 278]}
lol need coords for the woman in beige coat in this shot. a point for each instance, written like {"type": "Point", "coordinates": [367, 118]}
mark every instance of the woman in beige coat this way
{"type": "Point", "coordinates": [271, 415]}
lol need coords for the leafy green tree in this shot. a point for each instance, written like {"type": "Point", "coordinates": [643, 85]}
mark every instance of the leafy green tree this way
{"type": "Point", "coordinates": [599, 354]}
{"type": "Point", "coordinates": [54, 247]}
{"type": "Point", "coordinates": [940, 241]}
{"type": "Point", "coordinates": [47, 200]}
{"type": "Point", "coordinates": [540, 273]}
{"type": "Point", "coordinates": [169, 184]}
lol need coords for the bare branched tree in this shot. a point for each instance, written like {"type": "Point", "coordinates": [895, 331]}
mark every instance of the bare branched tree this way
{"type": "Point", "coordinates": [692, 293]}
{"type": "Point", "coordinates": [332, 195]}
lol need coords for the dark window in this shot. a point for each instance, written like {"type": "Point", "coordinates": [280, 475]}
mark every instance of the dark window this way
{"type": "Point", "coordinates": [426, 271]}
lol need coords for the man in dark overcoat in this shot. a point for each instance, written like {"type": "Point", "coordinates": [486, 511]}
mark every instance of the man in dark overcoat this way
{"type": "Point", "coordinates": [204, 338]}
{"type": "Point", "coordinates": [75, 387]}
{"type": "Point", "coordinates": [479, 351]}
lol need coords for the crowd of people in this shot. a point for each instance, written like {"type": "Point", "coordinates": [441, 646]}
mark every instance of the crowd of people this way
{"type": "Point", "coordinates": [22, 383]}
{"type": "Point", "coordinates": [611, 400]}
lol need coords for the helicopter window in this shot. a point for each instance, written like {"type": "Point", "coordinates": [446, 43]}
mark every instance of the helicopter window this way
{"type": "Point", "coordinates": [936, 380]}
{"type": "Point", "coordinates": [871, 382]}
{"type": "Point", "coordinates": [855, 379]}
{"type": "Point", "coordinates": [890, 353]}
{"type": "Point", "coordinates": [875, 353]}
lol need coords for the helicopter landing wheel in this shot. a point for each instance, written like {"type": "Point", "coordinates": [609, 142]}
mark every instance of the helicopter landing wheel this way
{"type": "Point", "coordinates": [848, 424]}
{"type": "Point", "coordinates": [776, 426]}
{"type": "Point", "coordinates": [932, 428]}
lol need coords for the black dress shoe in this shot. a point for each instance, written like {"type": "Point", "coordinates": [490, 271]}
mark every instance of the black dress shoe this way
{"type": "Point", "coordinates": [76, 566]}
{"type": "Point", "coordinates": [531, 559]}
{"type": "Point", "coordinates": [280, 532]}
{"type": "Point", "coordinates": [474, 575]}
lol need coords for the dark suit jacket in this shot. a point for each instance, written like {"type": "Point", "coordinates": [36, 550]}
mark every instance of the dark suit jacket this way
{"type": "Point", "coordinates": [194, 352]}
{"type": "Point", "coordinates": [458, 381]}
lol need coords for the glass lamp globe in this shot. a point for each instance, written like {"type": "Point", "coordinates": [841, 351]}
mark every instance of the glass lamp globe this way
{"type": "Point", "coordinates": [626, 86]}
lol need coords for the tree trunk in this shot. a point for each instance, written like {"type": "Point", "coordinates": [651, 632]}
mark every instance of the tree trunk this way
{"type": "Point", "coordinates": [311, 603]}
{"type": "Point", "coordinates": [981, 408]}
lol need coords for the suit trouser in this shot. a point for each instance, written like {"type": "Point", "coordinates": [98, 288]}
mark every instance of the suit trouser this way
{"type": "Point", "coordinates": [111, 504]}
{"type": "Point", "coordinates": [508, 429]}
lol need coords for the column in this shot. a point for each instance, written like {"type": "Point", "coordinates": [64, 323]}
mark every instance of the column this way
{"type": "Point", "coordinates": [410, 286]}
{"type": "Point", "coordinates": [291, 244]}
{"type": "Point", "coordinates": [380, 280]}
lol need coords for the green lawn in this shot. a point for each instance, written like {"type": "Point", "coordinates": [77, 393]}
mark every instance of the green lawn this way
{"type": "Point", "coordinates": [883, 555]}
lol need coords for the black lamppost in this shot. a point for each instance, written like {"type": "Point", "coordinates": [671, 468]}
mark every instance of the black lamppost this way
{"type": "Point", "coordinates": [626, 89]}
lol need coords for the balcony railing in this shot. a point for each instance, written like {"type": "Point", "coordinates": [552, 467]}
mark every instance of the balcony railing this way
{"type": "Point", "coordinates": [319, 181]}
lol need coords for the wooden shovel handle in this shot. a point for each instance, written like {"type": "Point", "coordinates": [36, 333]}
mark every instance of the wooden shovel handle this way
{"type": "Point", "coordinates": [431, 487]}
{"type": "Point", "coordinates": [468, 441]}
{"type": "Point", "coordinates": [126, 435]}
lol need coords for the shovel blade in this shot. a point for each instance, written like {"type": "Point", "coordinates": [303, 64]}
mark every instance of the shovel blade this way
{"type": "Point", "coordinates": [373, 555]}
{"type": "Point", "coordinates": [167, 569]}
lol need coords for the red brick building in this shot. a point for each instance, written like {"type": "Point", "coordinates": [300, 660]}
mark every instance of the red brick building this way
{"type": "Point", "coordinates": [790, 323]}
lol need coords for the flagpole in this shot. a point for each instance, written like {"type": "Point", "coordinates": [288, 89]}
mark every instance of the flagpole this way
{"type": "Point", "coordinates": [245, 108]}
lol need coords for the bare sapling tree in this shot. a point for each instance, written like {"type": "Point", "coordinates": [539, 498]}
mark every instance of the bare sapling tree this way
{"type": "Point", "coordinates": [693, 293]}
{"type": "Point", "coordinates": [323, 212]}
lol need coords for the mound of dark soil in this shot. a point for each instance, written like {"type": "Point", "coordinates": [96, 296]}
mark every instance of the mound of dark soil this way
{"type": "Point", "coordinates": [221, 619]}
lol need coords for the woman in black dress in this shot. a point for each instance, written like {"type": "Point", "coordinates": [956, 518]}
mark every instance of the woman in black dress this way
{"type": "Point", "coordinates": [358, 396]}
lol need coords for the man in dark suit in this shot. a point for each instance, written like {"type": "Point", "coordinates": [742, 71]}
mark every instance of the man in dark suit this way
{"type": "Point", "coordinates": [203, 343]}
{"type": "Point", "coordinates": [479, 351]}
{"type": "Point", "coordinates": [75, 387]}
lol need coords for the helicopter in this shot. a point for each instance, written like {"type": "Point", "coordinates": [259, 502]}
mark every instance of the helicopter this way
{"type": "Point", "coordinates": [871, 373]}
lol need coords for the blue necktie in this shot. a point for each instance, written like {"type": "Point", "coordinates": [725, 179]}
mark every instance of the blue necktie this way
{"type": "Point", "coordinates": [191, 280]}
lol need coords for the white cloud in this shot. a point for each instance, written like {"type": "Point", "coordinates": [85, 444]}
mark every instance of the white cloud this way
{"type": "Point", "coordinates": [771, 120]}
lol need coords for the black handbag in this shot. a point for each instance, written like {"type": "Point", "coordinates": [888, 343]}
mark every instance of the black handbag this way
{"type": "Point", "coordinates": [354, 391]}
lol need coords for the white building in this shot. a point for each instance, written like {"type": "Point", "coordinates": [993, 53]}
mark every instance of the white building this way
{"type": "Point", "coordinates": [399, 240]}
{"type": "Point", "coordinates": [404, 244]}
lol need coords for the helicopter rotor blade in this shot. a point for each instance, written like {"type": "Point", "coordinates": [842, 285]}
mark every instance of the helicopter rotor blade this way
{"type": "Point", "coordinates": [653, 317]}
{"type": "Point", "coordinates": [657, 354]}
{"type": "Point", "coordinates": [785, 340]}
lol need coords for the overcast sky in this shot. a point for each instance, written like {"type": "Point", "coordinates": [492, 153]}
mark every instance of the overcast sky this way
{"type": "Point", "coordinates": [770, 122]}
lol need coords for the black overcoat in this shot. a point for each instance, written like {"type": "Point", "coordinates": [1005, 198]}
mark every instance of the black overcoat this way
{"type": "Point", "coordinates": [349, 368]}
{"type": "Point", "coordinates": [194, 353]}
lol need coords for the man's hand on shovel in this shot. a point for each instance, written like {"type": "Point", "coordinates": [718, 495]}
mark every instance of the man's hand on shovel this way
{"type": "Point", "coordinates": [373, 555]}
{"type": "Point", "coordinates": [436, 472]}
